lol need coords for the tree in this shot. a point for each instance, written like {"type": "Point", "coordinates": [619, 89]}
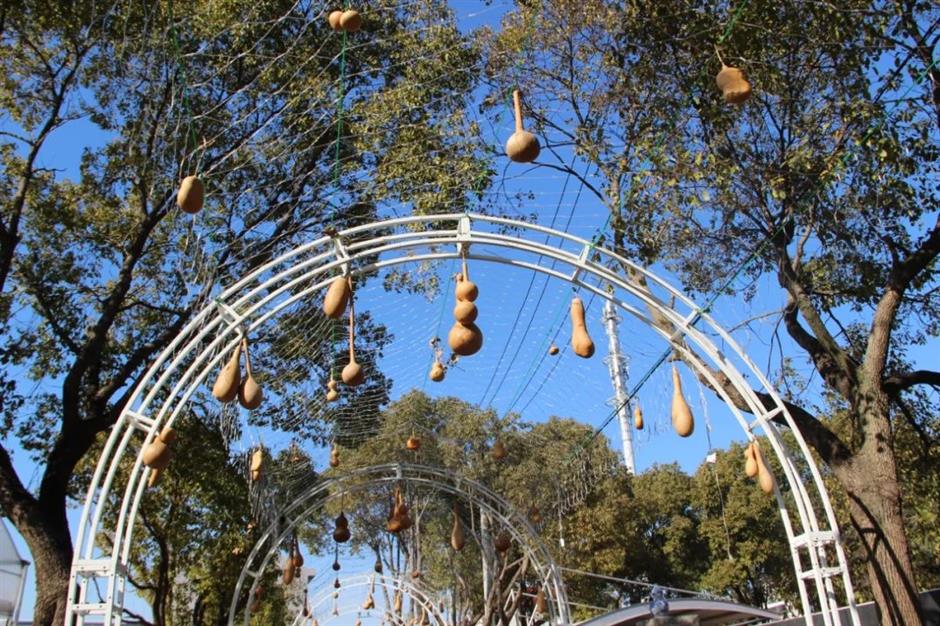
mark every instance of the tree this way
{"type": "Point", "coordinates": [100, 272]}
{"type": "Point", "coordinates": [824, 180]}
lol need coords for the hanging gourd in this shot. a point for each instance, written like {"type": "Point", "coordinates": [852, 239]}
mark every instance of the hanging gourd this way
{"type": "Point", "coordinates": [341, 532]}
{"type": "Point", "coordinates": [256, 602]}
{"type": "Point", "coordinates": [553, 350]}
{"type": "Point", "coordinates": [288, 576]}
{"type": "Point", "coordinates": [369, 604]}
{"type": "Point", "coordinates": [332, 394]}
{"type": "Point", "coordinates": [350, 21]}
{"type": "Point", "coordinates": [580, 340]}
{"type": "Point", "coordinates": [764, 478]}
{"type": "Point", "coordinates": [399, 519]}
{"type": "Point", "coordinates": [682, 420]}
{"type": "Point", "coordinates": [413, 444]}
{"type": "Point", "coordinates": [334, 456]}
{"type": "Point", "coordinates": [377, 567]}
{"type": "Point", "coordinates": [733, 85]}
{"type": "Point", "coordinates": [535, 515]}
{"type": "Point", "coordinates": [540, 606]}
{"type": "Point", "coordinates": [336, 566]}
{"type": "Point", "coordinates": [637, 416]}
{"type": "Point", "coordinates": [416, 574]}
{"type": "Point", "coordinates": [336, 298]}
{"type": "Point", "coordinates": [333, 18]}
{"type": "Point", "coordinates": [522, 146]}
{"type": "Point", "coordinates": [336, 583]}
{"type": "Point", "coordinates": [437, 371]}
{"type": "Point", "coordinates": [296, 557]}
{"type": "Point", "coordinates": [226, 385]}
{"type": "Point", "coordinates": [358, 622]}
{"type": "Point", "coordinates": [191, 195]}
{"type": "Point", "coordinates": [157, 455]}
{"type": "Point", "coordinates": [398, 601]}
{"type": "Point", "coordinates": [750, 460]}
{"type": "Point", "coordinates": [498, 451]}
{"type": "Point", "coordinates": [257, 463]}
{"type": "Point", "coordinates": [249, 391]}
{"type": "Point", "coordinates": [352, 374]}
{"type": "Point", "coordinates": [457, 538]}
{"type": "Point", "coordinates": [502, 542]}
{"type": "Point", "coordinates": [465, 337]}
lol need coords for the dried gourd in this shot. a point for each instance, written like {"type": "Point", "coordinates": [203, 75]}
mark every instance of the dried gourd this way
{"type": "Point", "coordinates": [397, 604]}
{"type": "Point", "coordinates": [337, 297]}
{"type": "Point", "coordinates": [465, 311]}
{"type": "Point", "coordinates": [502, 542]}
{"type": "Point", "coordinates": [540, 606]}
{"type": "Point", "coordinates": [553, 350]}
{"type": "Point", "coordinates": [191, 195]}
{"type": "Point", "coordinates": [682, 420]}
{"type": "Point", "coordinates": [498, 451]}
{"type": "Point", "coordinates": [369, 604]}
{"type": "Point", "coordinates": [257, 464]}
{"type": "Point", "coordinates": [352, 374]}
{"type": "Point", "coordinates": [377, 567]}
{"type": "Point", "coordinates": [413, 443]}
{"type": "Point", "coordinates": [226, 385]}
{"type": "Point", "coordinates": [580, 340]}
{"type": "Point", "coordinates": [350, 21]}
{"type": "Point", "coordinates": [333, 18]}
{"type": "Point", "coordinates": [341, 533]}
{"type": "Point", "coordinates": [437, 372]}
{"type": "Point", "coordinates": [764, 478]}
{"type": "Point", "coordinates": [457, 538]}
{"type": "Point", "coordinates": [637, 416]}
{"type": "Point", "coordinates": [522, 146]}
{"type": "Point", "coordinates": [288, 576]}
{"type": "Point", "coordinates": [733, 85]}
{"type": "Point", "coordinates": [750, 461]}
{"type": "Point", "coordinates": [256, 602]}
{"type": "Point", "coordinates": [332, 394]}
{"type": "Point", "coordinates": [466, 290]}
{"type": "Point", "coordinates": [249, 391]}
{"type": "Point", "coordinates": [465, 339]}
{"type": "Point", "coordinates": [157, 454]}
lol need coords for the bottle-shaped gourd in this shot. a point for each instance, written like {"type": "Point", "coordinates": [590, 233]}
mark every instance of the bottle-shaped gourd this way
{"type": "Point", "coordinates": [413, 444]}
{"type": "Point", "coordinates": [289, 570]}
{"type": "Point", "coordinates": [465, 311]}
{"type": "Point", "coordinates": [580, 340]}
{"type": "Point", "coordinates": [352, 374]}
{"type": "Point", "coordinates": [540, 606]}
{"type": "Point", "coordinates": [465, 337]}
{"type": "Point", "coordinates": [334, 18]}
{"type": "Point", "coordinates": [332, 393]}
{"type": "Point", "coordinates": [257, 464]}
{"type": "Point", "coordinates": [764, 478]}
{"type": "Point", "coordinates": [498, 451]}
{"type": "Point", "coordinates": [750, 461]}
{"type": "Point", "coordinates": [226, 385]}
{"type": "Point", "coordinates": [350, 21]}
{"type": "Point", "coordinates": [191, 195]}
{"type": "Point", "coordinates": [369, 603]}
{"type": "Point", "coordinates": [734, 86]}
{"type": "Point", "coordinates": [502, 542]}
{"type": "Point", "coordinates": [522, 146]}
{"type": "Point", "coordinates": [341, 533]}
{"type": "Point", "coordinates": [637, 416]}
{"type": "Point", "coordinates": [397, 604]}
{"type": "Point", "coordinates": [334, 456]}
{"type": "Point", "coordinates": [249, 391]}
{"type": "Point", "coordinates": [437, 371]}
{"type": "Point", "coordinates": [336, 298]}
{"type": "Point", "coordinates": [682, 421]}
{"type": "Point", "coordinates": [457, 538]}
{"type": "Point", "coordinates": [157, 455]}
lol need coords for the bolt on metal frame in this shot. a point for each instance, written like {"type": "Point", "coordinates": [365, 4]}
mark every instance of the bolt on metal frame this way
{"type": "Point", "coordinates": [163, 392]}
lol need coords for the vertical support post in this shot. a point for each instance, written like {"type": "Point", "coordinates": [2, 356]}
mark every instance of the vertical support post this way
{"type": "Point", "coordinates": [618, 368]}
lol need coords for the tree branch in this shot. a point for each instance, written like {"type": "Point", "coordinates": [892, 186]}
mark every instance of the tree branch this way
{"type": "Point", "coordinates": [901, 381]}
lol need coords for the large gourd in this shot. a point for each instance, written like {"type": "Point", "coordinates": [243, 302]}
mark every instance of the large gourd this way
{"type": "Point", "coordinates": [580, 340]}
{"type": "Point", "coordinates": [522, 146]}
{"type": "Point", "coordinates": [352, 374]}
{"type": "Point", "coordinates": [341, 533]}
{"type": "Point", "coordinates": [682, 420]}
{"type": "Point", "coordinates": [750, 461]}
{"type": "Point", "coordinates": [157, 455]}
{"type": "Point", "coordinates": [336, 298]}
{"type": "Point", "coordinates": [191, 195]}
{"type": "Point", "coordinates": [350, 21]}
{"type": "Point", "coordinates": [249, 391]}
{"type": "Point", "coordinates": [465, 338]}
{"type": "Point", "coordinates": [226, 385]}
{"type": "Point", "coordinates": [457, 539]}
{"type": "Point", "coordinates": [733, 85]}
{"type": "Point", "coordinates": [764, 478]}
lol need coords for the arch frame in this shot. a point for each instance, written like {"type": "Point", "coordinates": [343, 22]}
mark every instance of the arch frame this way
{"type": "Point", "coordinates": [185, 364]}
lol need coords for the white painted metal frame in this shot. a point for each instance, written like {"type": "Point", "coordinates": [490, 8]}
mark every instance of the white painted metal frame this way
{"type": "Point", "coordinates": [392, 584]}
{"type": "Point", "coordinates": [301, 273]}
{"type": "Point", "coordinates": [321, 493]}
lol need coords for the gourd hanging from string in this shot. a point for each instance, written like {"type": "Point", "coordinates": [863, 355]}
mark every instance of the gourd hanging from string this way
{"type": "Point", "coordinates": [257, 464]}
{"type": "Point", "coordinates": [498, 451]}
{"type": "Point", "coordinates": [289, 570]}
{"type": "Point", "coordinates": [764, 478]}
{"type": "Point", "coordinates": [465, 337]}
{"type": "Point", "coordinates": [334, 455]}
{"type": "Point", "coordinates": [731, 81]}
{"type": "Point", "coordinates": [553, 350]}
{"type": "Point", "coordinates": [332, 393]}
{"type": "Point", "coordinates": [502, 542]}
{"type": "Point", "coordinates": [249, 391]}
{"type": "Point", "coordinates": [349, 21]}
{"type": "Point", "coordinates": [341, 533]}
{"type": "Point", "coordinates": [336, 298]}
{"type": "Point", "coordinates": [457, 538]}
{"type": "Point", "coordinates": [637, 416]}
{"type": "Point", "coordinates": [352, 374]}
{"type": "Point", "coordinates": [377, 567]}
{"type": "Point", "coordinates": [682, 421]}
{"type": "Point", "coordinates": [522, 146]}
{"type": "Point", "coordinates": [157, 455]}
{"type": "Point", "coordinates": [227, 384]}
{"type": "Point", "coordinates": [398, 520]}
{"type": "Point", "coordinates": [437, 368]}
{"type": "Point", "coordinates": [750, 461]}
{"type": "Point", "coordinates": [191, 195]}
{"type": "Point", "coordinates": [413, 443]}
{"type": "Point", "coordinates": [580, 340]}
{"type": "Point", "coordinates": [541, 608]}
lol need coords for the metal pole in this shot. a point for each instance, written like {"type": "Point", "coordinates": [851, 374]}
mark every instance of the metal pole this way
{"type": "Point", "coordinates": [617, 365]}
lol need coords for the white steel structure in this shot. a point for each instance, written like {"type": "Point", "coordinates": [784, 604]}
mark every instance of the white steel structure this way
{"type": "Point", "coordinates": [617, 365]}
{"type": "Point", "coordinates": [303, 272]}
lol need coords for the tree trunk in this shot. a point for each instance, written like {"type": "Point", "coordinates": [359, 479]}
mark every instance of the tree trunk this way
{"type": "Point", "coordinates": [50, 545]}
{"type": "Point", "coordinates": [870, 478]}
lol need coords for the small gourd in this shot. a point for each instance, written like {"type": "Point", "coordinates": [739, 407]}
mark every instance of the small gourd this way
{"type": "Point", "coordinates": [553, 350]}
{"type": "Point", "coordinates": [466, 290]}
{"type": "Point", "coordinates": [498, 451]}
{"type": "Point", "coordinates": [466, 311]}
{"type": "Point", "coordinates": [257, 464]}
{"type": "Point", "coordinates": [502, 542]}
{"type": "Point", "coordinates": [297, 558]}
{"type": "Point", "coordinates": [350, 21]}
{"type": "Point", "coordinates": [334, 20]}
{"type": "Point", "coordinates": [682, 420]}
{"type": "Point", "coordinates": [465, 339]}
{"type": "Point", "coordinates": [580, 340]}
{"type": "Point", "coordinates": [352, 374]}
{"type": "Point", "coordinates": [764, 478]}
{"type": "Point", "coordinates": [249, 391]}
{"type": "Point", "coordinates": [341, 533]}
{"type": "Point", "coordinates": [750, 461]}
{"type": "Point", "coordinates": [377, 567]}
{"type": "Point", "coordinates": [733, 85]}
{"type": "Point", "coordinates": [226, 385]}
{"type": "Point", "coordinates": [157, 454]}
{"type": "Point", "coordinates": [334, 456]}
{"type": "Point", "coordinates": [332, 394]}
{"type": "Point", "coordinates": [540, 606]}
{"type": "Point", "coordinates": [457, 538]}
{"type": "Point", "coordinates": [336, 566]}
{"type": "Point", "coordinates": [337, 584]}
{"type": "Point", "coordinates": [413, 444]}
{"type": "Point", "coordinates": [369, 604]}
{"type": "Point", "coordinates": [522, 146]}
{"type": "Point", "coordinates": [437, 372]}
{"type": "Point", "coordinates": [191, 195]}
{"type": "Point", "coordinates": [637, 416]}
{"type": "Point", "coordinates": [336, 298]}
{"type": "Point", "coordinates": [398, 601]}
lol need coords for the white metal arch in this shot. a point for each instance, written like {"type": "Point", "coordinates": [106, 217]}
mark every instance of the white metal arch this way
{"type": "Point", "coordinates": [321, 493]}
{"type": "Point", "coordinates": [393, 584]}
{"type": "Point", "coordinates": [163, 392]}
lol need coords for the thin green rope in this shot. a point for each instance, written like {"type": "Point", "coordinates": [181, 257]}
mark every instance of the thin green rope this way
{"type": "Point", "coordinates": [734, 20]}
{"type": "Point", "coordinates": [184, 82]}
